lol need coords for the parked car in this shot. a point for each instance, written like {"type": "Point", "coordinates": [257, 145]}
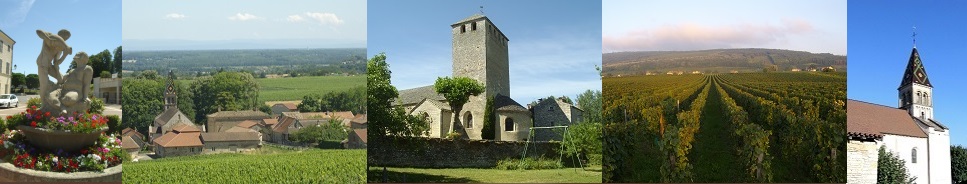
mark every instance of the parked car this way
{"type": "Point", "coordinates": [9, 100]}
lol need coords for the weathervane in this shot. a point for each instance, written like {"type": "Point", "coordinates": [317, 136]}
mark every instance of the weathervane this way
{"type": "Point", "coordinates": [914, 36]}
{"type": "Point", "coordinates": [481, 10]}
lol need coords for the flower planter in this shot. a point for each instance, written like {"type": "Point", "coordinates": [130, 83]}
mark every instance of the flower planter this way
{"type": "Point", "coordinates": [59, 139]}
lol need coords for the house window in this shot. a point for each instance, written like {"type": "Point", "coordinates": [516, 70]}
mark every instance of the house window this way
{"type": "Point", "coordinates": [463, 28]}
{"type": "Point", "coordinates": [468, 119]}
{"type": "Point", "coordinates": [473, 26]}
{"type": "Point", "coordinates": [913, 155]}
{"type": "Point", "coordinates": [509, 124]}
{"type": "Point", "coordinates": [426, 117]}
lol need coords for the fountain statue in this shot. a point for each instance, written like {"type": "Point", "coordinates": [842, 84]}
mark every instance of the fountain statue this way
{"type": "Point", "coordinates": [69, 94]}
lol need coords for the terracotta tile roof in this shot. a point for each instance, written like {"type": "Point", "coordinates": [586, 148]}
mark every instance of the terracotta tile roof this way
{"type": "Point", "coordinates": [127, 142]}
{"type": "Point", "coordinates": [270, 122]}
{"type": "Point", "coordinates": [865, 118]}
{"type": "Point", "coordinates": [290, 106]}
{"type": "Point", "coordinates": [183, 128]}
{"type": "Point", "coordinates": [360, 119]}
{"type": "Point", "coordinates": [361, 133]}
{"type": "Point", "coordinates": [132, 132]}
{"type": "Point", "coordinates": [230, 136]}
{"type": "Point", "coordinates": [283, 126]}
{"type": "Point", "coordinates": [242, 113]}
{"type": "Point", "coordinates": [247, 124]}
{"type": "Point", "coordinates": [239, 129]}
{"type": "Point", "coordinates": [343, 115]}
{"type": "Point", "coordinates": [172, 139]}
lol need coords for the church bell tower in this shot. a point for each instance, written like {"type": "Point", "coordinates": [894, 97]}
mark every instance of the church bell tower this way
{"type": "Point", "coordinates": [915, 91]}
{"type": "Point", "coordinates": [170, 94]}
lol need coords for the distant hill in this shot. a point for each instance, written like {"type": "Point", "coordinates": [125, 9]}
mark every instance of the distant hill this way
{"type": "Point", "coordinates": [271, 61]}
{"type": "Point", "coordinates": [716, 61]}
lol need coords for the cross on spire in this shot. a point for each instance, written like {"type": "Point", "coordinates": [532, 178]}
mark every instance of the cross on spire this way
{"type": "Point", "coordinates": [914, 36]}
{"type": "Point", "coordinates": [481, 10]}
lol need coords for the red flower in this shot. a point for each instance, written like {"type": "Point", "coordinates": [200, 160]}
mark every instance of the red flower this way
{"type": "Point", "coordinates": [9, 117]}
{"type": "Point", "coordinates": [83, 151]}
{"type": "Point", "coordinates": [33, 124]}
{"type": "Point", "coordinates": [47, 114]}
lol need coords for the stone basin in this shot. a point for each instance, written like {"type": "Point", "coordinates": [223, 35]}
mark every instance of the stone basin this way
{"type": "Point", "coordinates": [53, 140]}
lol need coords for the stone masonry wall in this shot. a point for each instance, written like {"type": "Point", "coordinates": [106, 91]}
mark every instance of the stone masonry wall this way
{"type": "Point", "coordinates": [445, 153]}
{"type": "Point", "coordinates": [861, 161]}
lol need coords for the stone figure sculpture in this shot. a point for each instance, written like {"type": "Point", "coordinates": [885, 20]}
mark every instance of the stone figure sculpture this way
{"type": "Point", "coordinates": [69, 94]}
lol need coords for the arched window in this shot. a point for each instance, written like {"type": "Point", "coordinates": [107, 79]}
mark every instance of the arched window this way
{"type": "Point", "coordinates": [918, 99]}
{"type": "Point", "coordinates": [913, 155]}
{"type": "Point", "coordinates": [926, 99]}
{"type": "Point", "coordinates": [509, 124]}
{"type": "Point", "coordinates": [468, 119]}
{"type": "Point", "coordinates": [426, 117]}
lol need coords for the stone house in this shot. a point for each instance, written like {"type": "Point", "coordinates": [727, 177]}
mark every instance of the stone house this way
{"type": "Point", "coordinates": [136, 136]}
{"type": "Point", "coordinates": [279, 108]}
{"type": "Point", "coordinates": [223, 120]}
{"type": "Point", "coordinates": [357, 137]}
{"type": "Point", "coordinates": [108, 89]}
{"type": "Point", "coordinates": [130, 146]}
{"type": "Point", "coordinates": [231, 142]}
{"type": "Point", "coordinates": [182, 140]}
{"type": "Point", "coordinates": [554, 113]}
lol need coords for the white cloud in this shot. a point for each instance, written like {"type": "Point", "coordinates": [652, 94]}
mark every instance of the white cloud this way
{"type": "Point", "coordinates": [175, 16]}
{"type": "Point", "coordinates": [244, 17]}
{"type": "Point", "coordinates": [18, 15]}
{"type": "Point", "coordinates": [321, 18]}
{"type": "Point", "coordinates": [294, 18]}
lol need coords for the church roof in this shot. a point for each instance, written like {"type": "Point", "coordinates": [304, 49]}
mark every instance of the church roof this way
{"type": "Point", "coordinates": [471, 18]}
{"type": "Point", "coordinates": [171, 115]}
{"type": "Point", "coordinates": [415, 95]}
{"type": "Point", "coordinates": [505, 103]}
{"type": "Point", "coordinates": [915, 72]}
{"type": "Point", "coordinates": [864, 118]}
{"type": "Point", "coordinates": [931, 123]}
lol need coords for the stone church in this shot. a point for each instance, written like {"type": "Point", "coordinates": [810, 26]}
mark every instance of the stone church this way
{"type": "Point", "coordinates": [479, 52]}
{"type": "Point", "coordinates": [909, 131]}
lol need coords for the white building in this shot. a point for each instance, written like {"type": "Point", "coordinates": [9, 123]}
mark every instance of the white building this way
{"type": "Point", "coordinates": [6, 62]}
{"type": "Point", "coordinates": [908, 131]}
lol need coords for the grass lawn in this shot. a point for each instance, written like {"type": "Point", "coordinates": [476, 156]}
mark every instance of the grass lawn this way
{"type": "Point", "coordinates": [286, 89]}
{"type": "Point", "coordinates": [466, 175]}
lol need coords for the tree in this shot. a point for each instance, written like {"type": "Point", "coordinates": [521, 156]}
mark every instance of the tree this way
{"type": "Point", "coordinates": [310, 103]}
{"type": "Point", "coordinates": [116, 68]}
{"type": "Point", "coordinates": [17, 79]}
{"type": "Point", "coordinates": [457, 91]}
{"type": "Point", "coordinates": [590, 102]}
{"type": "Point", "coordinates": [142, 102]}
{"type": "Point", "coordinates": [33, 81]}
{"type": "Point", "coordinates": [958, 163]}
{"type": "Point", "coordinates": [229, 91]}
{"type": "Point", "coordinates": [331, 131]}
{"type": "Point", "coordinates": [488, 131]}
{"type": "Point", "coordinates": [384, 118]}
{"type": "Point", "coordinates": [891, 169]}
{"type": "Point", "coordinates": [99, 62]}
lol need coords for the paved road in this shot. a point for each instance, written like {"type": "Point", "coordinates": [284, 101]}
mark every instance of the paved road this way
{"type": "Point", "coordinates": [109, 109]}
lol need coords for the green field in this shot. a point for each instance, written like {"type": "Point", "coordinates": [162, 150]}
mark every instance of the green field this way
{"type": "Point", "coordinates": [310, 166]}
{"type": "Point", "coordinates": [289, 89]}
{"type": "Point", "coordinates": [468, 175]}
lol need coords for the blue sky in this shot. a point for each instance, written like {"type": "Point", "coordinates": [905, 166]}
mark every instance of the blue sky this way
{"type": "Point", "coordinates": [814, 26]}
{"type": "Point", "coordinates": [223, 24]}
{"type": "Point", "coordinates": [554, 45]}
{"type": "Point", "coordinates": [880, 42]}
{"type": "Point", "coordinates": [95, 25]}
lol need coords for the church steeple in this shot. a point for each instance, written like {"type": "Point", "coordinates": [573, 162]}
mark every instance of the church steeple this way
{"type": "Point", "coordinates": [915, 91]}
{"type": "Point", "coordinates": [170, 94]}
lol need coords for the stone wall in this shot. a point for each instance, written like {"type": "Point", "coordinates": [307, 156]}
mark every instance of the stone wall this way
{"type": "Point", "coordinates": [444, 153]}
{"type": "Point", "coordinates": [230, 146]}
{"type": "Point", "coordinates": [861, 161]}
{"type": "Point", "coordinates": [10, 173]}
{"type": "Point", "coordinates": [177, 151]}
